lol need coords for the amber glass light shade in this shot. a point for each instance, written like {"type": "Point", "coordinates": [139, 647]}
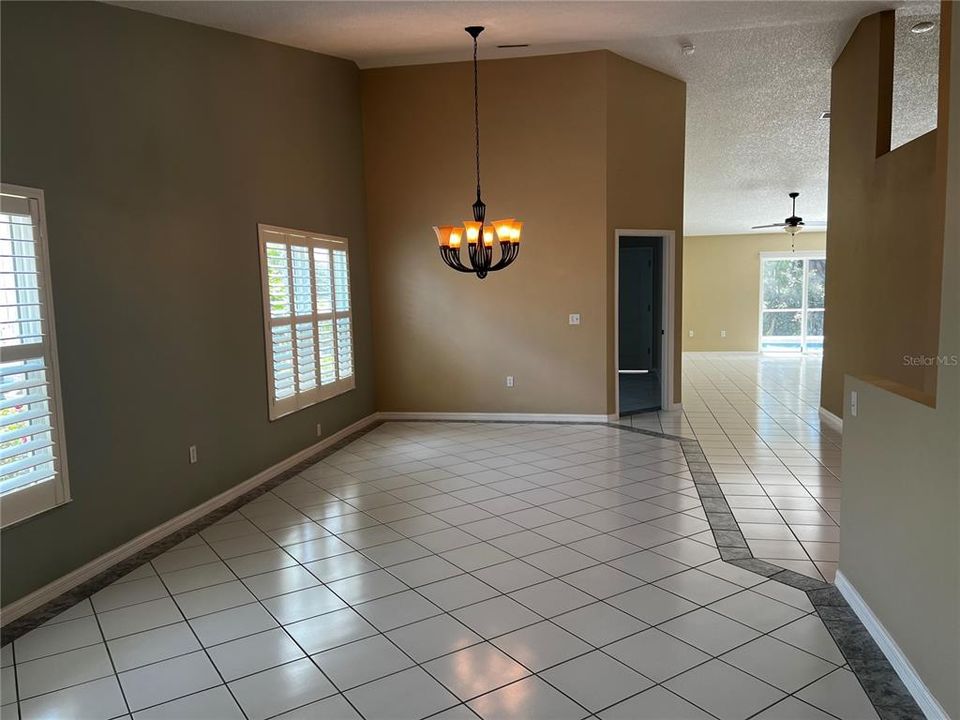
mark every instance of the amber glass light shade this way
{"type": "Point", "coordinates": [443, 234]}
{"type": "Point", "coordinates": [473, 230]}
{"type": "Point", "coordinates": [456, 236]}
{"type": "Point", "coordinates": [515, 232]}
{"type": "Point", "coordinates": [488, 235]}
{"type": "Point", "coordinates": [504, 229]}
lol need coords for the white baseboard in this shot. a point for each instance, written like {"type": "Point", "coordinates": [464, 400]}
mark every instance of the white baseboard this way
{"type": "Point", "coordinates": [69, 581]}
{"type": "Point", "coordinates": [831, 420]}
{"type": "Point", "coordinates": [888, 646]}
{"type": "Point", "coordinates": [495, 417]}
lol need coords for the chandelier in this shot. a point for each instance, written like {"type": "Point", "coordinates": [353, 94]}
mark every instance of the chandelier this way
{"type": "Point", "coordinates": [480, 237]}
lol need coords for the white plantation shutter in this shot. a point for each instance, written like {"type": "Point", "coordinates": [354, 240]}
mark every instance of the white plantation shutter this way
{"type": "Point", "coordinates": [32, 462]}
{"type": "Point", "coordinates": [307, 317]}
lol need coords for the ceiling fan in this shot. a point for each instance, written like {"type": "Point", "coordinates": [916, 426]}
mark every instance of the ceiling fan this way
{"type": "Point", "coordinates": [792, 224]}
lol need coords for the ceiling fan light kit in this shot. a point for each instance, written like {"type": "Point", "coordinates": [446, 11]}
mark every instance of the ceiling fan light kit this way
{"type": "Point", "coordinates": [792, 224]}
{"type": "Point", "coordinates": [480, 236]}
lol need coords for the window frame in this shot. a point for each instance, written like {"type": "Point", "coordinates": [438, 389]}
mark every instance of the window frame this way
{"type": "Point", "coordinates": [278, 408]}
{"type": "Point", "coordinates": [805, 256]}
{"type": "Point", "coordinates": [23, 503]}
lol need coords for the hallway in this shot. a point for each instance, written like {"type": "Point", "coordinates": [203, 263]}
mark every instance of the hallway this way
{"type": "Point", "coordinates": [757, 419]}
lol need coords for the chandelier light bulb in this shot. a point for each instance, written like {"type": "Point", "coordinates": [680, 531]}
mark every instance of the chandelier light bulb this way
{"type": "Point", "coordinates": [473, 231]}
{"type": "Point", "coordinates": [488, 236]}
{"type": "Point", "coordinates": [504, 229]}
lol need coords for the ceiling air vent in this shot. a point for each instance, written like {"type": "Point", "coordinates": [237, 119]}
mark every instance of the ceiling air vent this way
{"type": "Point", "coordinates": [825, 115]}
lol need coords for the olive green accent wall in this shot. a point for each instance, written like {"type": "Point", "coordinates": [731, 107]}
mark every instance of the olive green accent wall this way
{"type": "Point", "coordinates": [160, 146]}
{"type": "Point", "coordinates": [721, 287]}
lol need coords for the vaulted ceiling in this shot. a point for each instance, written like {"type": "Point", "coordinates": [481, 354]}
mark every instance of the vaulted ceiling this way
{"type": "Point", "coordinates": [758, 79]}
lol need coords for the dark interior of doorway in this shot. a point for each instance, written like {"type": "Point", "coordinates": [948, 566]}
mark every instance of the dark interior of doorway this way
{"type": "Point", "coordinates": [640, 323]}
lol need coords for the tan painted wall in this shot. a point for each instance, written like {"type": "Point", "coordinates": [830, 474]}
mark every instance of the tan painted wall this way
{"type": "Point", "coordinates": [160, 145]}
{"type": "Point", "coordinates": [645, 144]}
{"type": "Point", "coordinates": [885, 237]}
{"type": "Point", "coordinates": [721, 287]}
{"type": "Point", "coordinates": [446, 341]}
{"type": "Point", "coordinates": [901, 477]}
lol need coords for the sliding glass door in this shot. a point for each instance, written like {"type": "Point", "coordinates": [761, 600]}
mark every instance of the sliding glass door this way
{"type": "Point", "coordinates": [792, 302]}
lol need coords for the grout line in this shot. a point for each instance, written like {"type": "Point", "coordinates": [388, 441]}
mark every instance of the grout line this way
{"type": "Point", "coordinates": [206, 652]}
{"type": "Point", "coordinates": [567, 545]}
{"type": "Point", "coordinates": [762, 486]}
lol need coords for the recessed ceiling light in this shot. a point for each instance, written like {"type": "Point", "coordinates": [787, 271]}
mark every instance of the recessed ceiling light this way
{"type": "Point", "coordinates": [825, 115]}
{"type": "Point", "coordinates": [922, 27]}
{"type": "Point", "coordinates": [514, 45]}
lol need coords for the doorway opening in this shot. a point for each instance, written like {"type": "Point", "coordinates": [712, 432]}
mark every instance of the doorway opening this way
{"type": "Point", "coordinates": [640, 327]}
{"type": "Point", "coordinates": [792, 301]}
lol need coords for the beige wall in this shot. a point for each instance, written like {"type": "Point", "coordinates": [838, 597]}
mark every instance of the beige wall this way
{"type": "Point", "coordinates": [446, 341]}
{"type": "Point", "coordinates": [645, 144]}
{"type": "Point", "coordinates": [721, 287]}
{"type": "Point", "coordinates": [901, 473]}
{"type": "Point", "coordinates": [160, 145]}
{"type": "Point", "coordinates": [885, 237]}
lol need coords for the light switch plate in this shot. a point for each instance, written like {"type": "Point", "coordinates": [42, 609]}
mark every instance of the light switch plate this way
{"type": "Point", "coordinates": [853, 403]}
{"type": "Point", "coordinates": [574, 318]}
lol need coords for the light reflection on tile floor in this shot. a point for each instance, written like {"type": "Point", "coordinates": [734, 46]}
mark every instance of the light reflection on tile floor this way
{"type": "Point", "coordinates": [757, 419]}
{"type": "Point", "coordinates": [450, 571]}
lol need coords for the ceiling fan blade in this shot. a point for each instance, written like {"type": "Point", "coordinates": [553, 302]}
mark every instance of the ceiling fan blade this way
{"type": "Point", "coordinates": [760, 227]}
{"type": "Point", "coordinates": [815, 223]}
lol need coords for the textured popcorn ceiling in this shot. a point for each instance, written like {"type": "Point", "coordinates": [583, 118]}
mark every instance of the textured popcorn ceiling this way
{"type": "Point", "coordinates": [757, 82]}
{"type": "Point", "coordinates": [915, 74]}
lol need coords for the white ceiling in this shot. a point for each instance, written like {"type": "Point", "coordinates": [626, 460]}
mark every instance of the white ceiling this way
{"type": "Point", "coordinates": [756, 84]}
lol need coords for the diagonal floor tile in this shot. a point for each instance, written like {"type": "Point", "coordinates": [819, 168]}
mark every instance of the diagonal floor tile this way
{"type": "Point", "coordinates": [596, 680]}
{"type": "Point", "coordinates": [475, 670]}
{"type": "Point", "coordinates": [407, 695]}
{"type": "Point", "coordinates": [541, 646]}
{"type": "Point", "coordinates": [361, 661]}
{"type": "Point", "coordinates": [724, 691]}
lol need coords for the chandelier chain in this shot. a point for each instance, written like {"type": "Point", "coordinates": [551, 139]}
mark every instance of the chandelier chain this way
{"type": "Point", "coordinates": [476, 111]}
{"type": "Point", "coordinates": [479, 237]}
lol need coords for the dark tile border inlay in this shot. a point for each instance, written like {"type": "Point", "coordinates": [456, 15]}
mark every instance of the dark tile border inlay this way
{"type": "Point", "coordinates": [879, 680]}
{"type": "Point", "coordinates": [883, 686]}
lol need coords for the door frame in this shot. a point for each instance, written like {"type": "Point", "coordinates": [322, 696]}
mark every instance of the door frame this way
{"type": "Point", "coordinates": [668, 255]}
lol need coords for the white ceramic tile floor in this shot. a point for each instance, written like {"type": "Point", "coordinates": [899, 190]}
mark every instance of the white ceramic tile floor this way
{"type": "Point", "coordinates": [439, 614]}
{"type": "Point", "coordinates": [756, 416]}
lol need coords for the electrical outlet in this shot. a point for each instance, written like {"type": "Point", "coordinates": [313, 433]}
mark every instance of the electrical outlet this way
{"type": "Point", "coordinates": [574, 318]}
{"type": "Point", "coordinates": [853, 403]}
{"type": "Point", "coordinates": [193, 454]}
{"type": "Point", "coordinates": [691, 333]}
{"type": "Point", "coordinates": [319, 431]}
{"type": "Point", "coordinates": [509, 380]}
{"type": "Point", "coordinates": [723, 333]}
